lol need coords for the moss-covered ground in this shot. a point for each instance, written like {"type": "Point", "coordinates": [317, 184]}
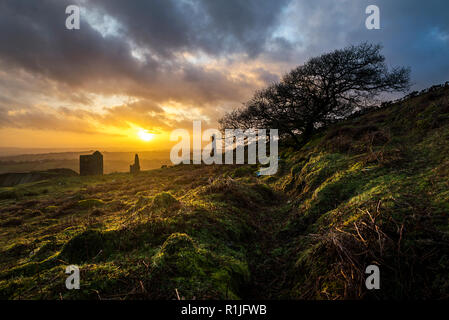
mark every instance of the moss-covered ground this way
{"type": "Point", "coordinates": [370, 190]}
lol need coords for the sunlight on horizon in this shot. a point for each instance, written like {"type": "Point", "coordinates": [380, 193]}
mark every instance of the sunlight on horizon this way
{"type": "Point", "coordinates": [145, 135]}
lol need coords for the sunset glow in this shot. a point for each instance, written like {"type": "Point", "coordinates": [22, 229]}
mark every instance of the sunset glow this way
{"type": "Point", "coordinates": [273, 151]}
{"type": "Point", "coordinates": [144, 135]}
{"type": "Point", "coordinates": [134, 76]}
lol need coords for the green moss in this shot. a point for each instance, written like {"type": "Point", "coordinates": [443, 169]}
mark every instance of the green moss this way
{"type": "Point", "coordinates": [12, 222]}
{"type": "Point", "coordinates": [90, 203]}
{"type": "Point", "coordinates": [177, 241]}
{"type": "Point", "coordinates": [198, 271]}
{"type": "Point", "coordinates": [242, 171]}
{"type": "Point", "coordinates": [83, 247]}
{"type": "Point", "coordinates": [17, 249]}
{"type": "Point", "coordinates": [51, 209]}
{"type": "Point", "coordinates": [46, 250]}
{"type": "Point", "coordinates": [9, 193]}
{"type": "Point", "coordinates": [219, 232]}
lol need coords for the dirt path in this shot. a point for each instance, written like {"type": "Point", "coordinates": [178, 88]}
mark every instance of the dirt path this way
{"type": "Point", "coordinates": [266, 255]}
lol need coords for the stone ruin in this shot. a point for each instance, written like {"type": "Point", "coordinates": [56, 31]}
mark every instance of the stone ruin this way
{"type": "Point", "coordinates": [214, 145]}
{"type": "Point", "coordinates": [91, 164]}
{"type": "Point", "coordinates": [135, 168]}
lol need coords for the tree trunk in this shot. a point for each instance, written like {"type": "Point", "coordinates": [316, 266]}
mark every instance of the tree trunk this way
{"type": "Point", "coordinates": [308, 132]}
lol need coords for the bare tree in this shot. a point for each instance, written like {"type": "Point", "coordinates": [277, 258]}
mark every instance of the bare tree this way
{"type": "Point", "coordinates": [323, 90]}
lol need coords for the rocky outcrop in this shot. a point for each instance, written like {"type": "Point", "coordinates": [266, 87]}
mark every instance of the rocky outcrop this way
{"type": "Point", "coordinates": [135, 168]}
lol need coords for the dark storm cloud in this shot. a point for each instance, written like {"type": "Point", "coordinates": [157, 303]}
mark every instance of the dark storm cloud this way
{"type": "Point", "coordinates": [216, 27]}
{"type": "Point", "coordinates": [414, 33]}
{"type": "Point", "coordinates": [266, 76]}
{"type": "Point", "coordinates": [33, 37]}
{"type": "Point", "coordinates": [246, 23]}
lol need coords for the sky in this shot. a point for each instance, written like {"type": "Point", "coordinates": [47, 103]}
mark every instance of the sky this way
{"type": "Point", "coordinates": [136, 70]}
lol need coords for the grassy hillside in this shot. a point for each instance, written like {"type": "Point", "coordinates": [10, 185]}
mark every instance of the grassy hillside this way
{"type": "Point", "coordinates": [370, 190]}
{"type": "Point", "coordinates": [373, 190]}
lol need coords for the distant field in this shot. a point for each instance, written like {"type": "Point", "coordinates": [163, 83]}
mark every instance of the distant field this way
{"type": "Point", "coordinates": [113, 161]}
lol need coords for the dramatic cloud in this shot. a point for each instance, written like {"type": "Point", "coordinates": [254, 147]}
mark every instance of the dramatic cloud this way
{"type": "Point", "coordinates": [159, 64]}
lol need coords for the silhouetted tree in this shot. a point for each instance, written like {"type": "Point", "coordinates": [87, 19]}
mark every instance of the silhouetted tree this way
{"type": "Point", "coordinates": [323, 90]}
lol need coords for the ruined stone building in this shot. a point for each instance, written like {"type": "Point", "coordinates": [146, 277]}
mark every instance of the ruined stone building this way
{"type": "Point", "coordinates": [135, 168]}
{"type": "Point", "coordinates": [214, 146]}
{"type": "Point", "coordinates": [91, 164]}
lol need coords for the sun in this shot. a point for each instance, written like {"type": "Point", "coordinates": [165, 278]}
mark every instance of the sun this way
{"type": "Point", "coordinates": [144, 135]}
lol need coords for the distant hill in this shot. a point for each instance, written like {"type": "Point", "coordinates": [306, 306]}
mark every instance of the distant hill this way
{"type": "Point", "coordinates": [113, 161]}
{"type": "Point", "coordinates": [11, 151]}
{"type": "Point", "coordinates": [12, 179]}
